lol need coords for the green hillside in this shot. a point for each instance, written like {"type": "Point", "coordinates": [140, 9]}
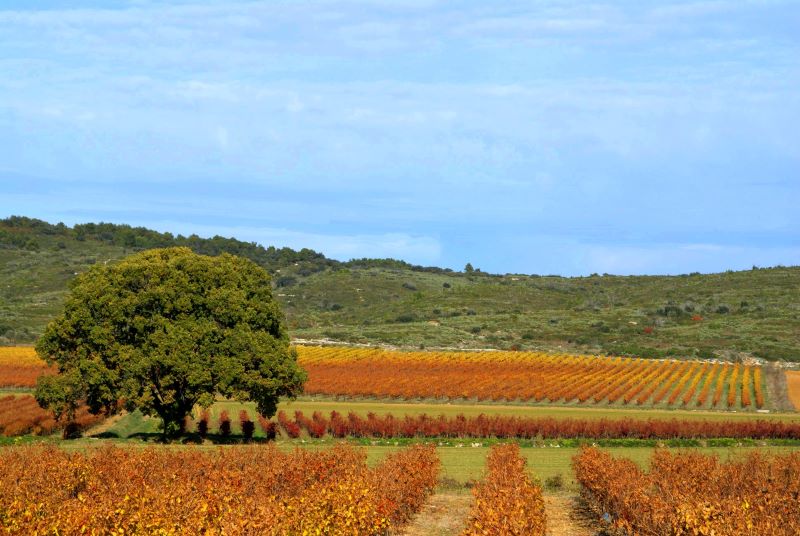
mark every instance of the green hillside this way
{"type": "Point", "coordinates": [754, 312]}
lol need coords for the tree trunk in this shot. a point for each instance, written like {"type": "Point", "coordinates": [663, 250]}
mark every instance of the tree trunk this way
{"type": "Point", "coordinates": [171, 417]}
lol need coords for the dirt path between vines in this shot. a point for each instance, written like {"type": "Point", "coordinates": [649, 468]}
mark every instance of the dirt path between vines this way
{"type": "Point", "coordinates": [566, 517]}
{"type": "Point", "coordinates": [443, 515]}
{"type": "Point", "coordinates": [446, 512]}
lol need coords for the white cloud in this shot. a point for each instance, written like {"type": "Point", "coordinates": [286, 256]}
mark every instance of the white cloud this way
{"type": "Point", "coordinates": [683, 258]}
{"type": "Point", "coordinates": [417, 118]}
{"type": "Point", "coordinates": [223, 138]}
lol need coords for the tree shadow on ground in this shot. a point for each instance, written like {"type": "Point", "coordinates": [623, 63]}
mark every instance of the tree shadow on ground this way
{"type": "Point", "coordinates": [188, 439]}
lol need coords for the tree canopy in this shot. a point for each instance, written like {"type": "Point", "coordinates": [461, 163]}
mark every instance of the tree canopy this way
{"type": "Point", "coordinates": [164, 330]}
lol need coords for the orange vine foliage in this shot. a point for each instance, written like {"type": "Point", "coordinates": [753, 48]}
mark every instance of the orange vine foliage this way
{"type": "Point", "coordinates": [757, 387]}
{"type": "Point", "coordinates": [746, 387]}
{"type": "Point", "coordinates": [21, 415]}
{"type": "Point", "coordinates": [709, 382]}
{"type": "Point", "coordinates": [793, 384]}
{"type": "Point", "coordinates": [689, 394]}
{"type": "Point", "coordinates": [732, 385]}
{"type": "Point", "coordinates": [20, 366]}
{"type": "Point", "coordinates": [685, 379]}
{"type": "Point", "coordinates": [525, 376]}
{"type": "Point", "coordinates": [241, 491]}
{"type": "Point", "coordinates": [680, 372]}
{"type": "Point", "coordinates": [506, 501]}
{"type": "Point", "coordinates": [694, 494]}
{"type": "Point", "coordinates": [726, 370]}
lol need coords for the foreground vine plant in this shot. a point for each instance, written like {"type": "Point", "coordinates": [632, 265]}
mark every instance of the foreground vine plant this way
{"type": "Point", "coordinates": [241, 491]}
{"type": "Point", "coordinates": [506, 501]}
{"type": "Point", "coordinates": [694, 494]}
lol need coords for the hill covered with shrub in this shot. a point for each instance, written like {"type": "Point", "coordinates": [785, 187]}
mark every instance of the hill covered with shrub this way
{"type": "Point", "coordinates": [385, 301]}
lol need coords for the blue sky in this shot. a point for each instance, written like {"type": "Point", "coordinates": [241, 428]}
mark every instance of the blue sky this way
{"type": "Point", "coordinates": [559, 137]}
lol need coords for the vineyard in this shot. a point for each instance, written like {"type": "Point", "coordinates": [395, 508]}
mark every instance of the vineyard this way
{"type": "Point", "coordinates": [21, 415]}
{"type": "Point", "coordinates": [531, 377]}
{"type": "Point", "coordinates": [263, 489]}
{"type": "Point", "coordinates": [506, 500]}
{"type": "Point", "coordinates": [793, 385]}
{"type": "Point", "coordinates": [691, 493]}
{"type": "Point", "coordinates": [249, 490]}
{"type": "Point", "coordinates": [497, 376]}
{"type": "Point", "coordinates": [20, 366]}
{"type": "Point", "coordinates": [506, 427]}
{"type": "Point", "coordinates": [388, 426]}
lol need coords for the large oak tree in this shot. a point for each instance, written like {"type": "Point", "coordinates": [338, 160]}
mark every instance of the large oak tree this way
{"type": "Point", "coordinates": [167, 329]}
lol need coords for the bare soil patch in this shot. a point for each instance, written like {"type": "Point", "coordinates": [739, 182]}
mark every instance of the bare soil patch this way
{"type": "Point", "coordinates": [444, 514]}
{"type": "Point", "coordinates": [567, 517]}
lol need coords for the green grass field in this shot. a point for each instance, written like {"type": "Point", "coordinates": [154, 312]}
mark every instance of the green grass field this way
{"type": "Point", "coordinates": [15, 392]}
{"type": "Point", "coordinates": [465, 464]}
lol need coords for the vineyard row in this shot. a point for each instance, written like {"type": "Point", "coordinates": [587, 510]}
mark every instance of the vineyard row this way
{"type": "Point", "coordinates": [530, 377]}
{"type": "Point", "coordinates": [495, 376]}
{"type": "Point", "coordinates": [336, 425]}
{"type": "Point", "coordinates": [20, 415]}
{"type": "Point", "coordinates": [692, 493]}
{"type": "Point", "coordinates": [506, 500]}
{"type": "Point", "coordinates": [249, 490]}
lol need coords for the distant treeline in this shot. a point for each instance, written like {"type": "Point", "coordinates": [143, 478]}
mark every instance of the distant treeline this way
{"type": "Point", "coordinates": [393, 264]}
{"type": "Point", "coordinates": [30, 233]}
{"type": "Point", "coordinates": [27, 233]}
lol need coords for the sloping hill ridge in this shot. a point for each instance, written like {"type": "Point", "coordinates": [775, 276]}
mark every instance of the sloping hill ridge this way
{"type": "Point", "coordinates": [383, 301]}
